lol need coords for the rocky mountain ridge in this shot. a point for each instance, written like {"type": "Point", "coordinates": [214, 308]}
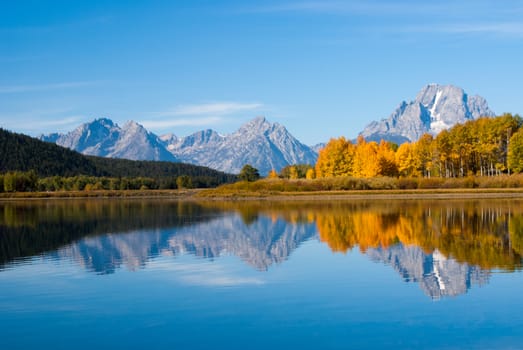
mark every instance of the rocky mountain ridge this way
{"type": "Point", "coordinates": [266, 145]}
{"type": "Point", "coordinates": [262, 144]}
{"type": "Point", "coordinates": [436, 108]}
{"type": "Point", "coordinates": [104, 138]}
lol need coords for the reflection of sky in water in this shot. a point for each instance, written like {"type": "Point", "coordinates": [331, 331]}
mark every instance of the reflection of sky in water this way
{"type": "Point", "coordinates": [312, 299]}
{"type": "Point", "coordinates": [260, 244]}
{"type": "Point", "coordinates": [267, 283]}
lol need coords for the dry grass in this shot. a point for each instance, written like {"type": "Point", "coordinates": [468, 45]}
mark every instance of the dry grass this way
{"type": "Point", "coordinates": [385, 187]}
{"type": "Point", "coordinates": [362, 186]}
{"type": "Point", "coordinates": [100, 194]}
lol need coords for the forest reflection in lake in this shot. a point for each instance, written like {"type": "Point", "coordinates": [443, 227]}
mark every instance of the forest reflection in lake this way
{"type": "Point", "coordinates": [444, 245]}
{"type": "Point", "coordinates": [324, 272]}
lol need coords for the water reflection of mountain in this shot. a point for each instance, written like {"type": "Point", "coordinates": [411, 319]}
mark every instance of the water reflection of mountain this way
{"type": "Point", "coordinates": [446, 247]}
{"type": "Point", "coordinates": [485, 234]}
{"type": "Point", "coordinates": [38, 227]}
{"type": "Point", "coordinates": [437, 275]}
{"type": "Point", "coordinates": [102, 235]}
{"type": "Point", "coordinates": [260, 244]}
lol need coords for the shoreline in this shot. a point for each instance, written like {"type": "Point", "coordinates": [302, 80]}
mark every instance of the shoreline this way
{"type": "Point", "coordinates": [201, 195]}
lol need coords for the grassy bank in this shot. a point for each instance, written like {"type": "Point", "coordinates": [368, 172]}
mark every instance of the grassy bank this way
{"type": "Point", "coordinates": [328, 188]}
{"type": "Point", "coordinates": [100, 194]}
{"type": "Point", "coordinates": [362, 186]}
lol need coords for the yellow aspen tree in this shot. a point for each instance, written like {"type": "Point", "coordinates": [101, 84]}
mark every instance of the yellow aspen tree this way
{"type": "Point", "coordinates": [515, 152]}
{"type": "Point", "coordinates": [386, 160]}
{"type": "Point", "coordinates": [423, 151]}
{"type": "Point", "coordinates": [335, 159]}
{"type": "Point", "coordinates": [293, 173]}
{"type": "Point", "coordinates": [273, 174]}
{"type": "Point", "coordinates": [366, 159]}
{"type": "Point", "coordinates": [405, 159]}
{"type": "Point", "coordinates": [310, 174]}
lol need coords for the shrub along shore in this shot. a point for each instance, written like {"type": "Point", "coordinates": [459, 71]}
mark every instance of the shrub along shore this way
{"type": "Point", "coordinates": [335, 188]}
{"type": "Point", "coordinates": [387, 186]}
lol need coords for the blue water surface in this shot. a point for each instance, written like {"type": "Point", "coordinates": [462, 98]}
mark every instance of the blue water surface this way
{"type": "Point", "coordinates": [176, 288]}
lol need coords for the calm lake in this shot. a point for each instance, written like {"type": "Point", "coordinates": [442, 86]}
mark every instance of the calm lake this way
{"type": "Point", "coordinates": [162, 274]}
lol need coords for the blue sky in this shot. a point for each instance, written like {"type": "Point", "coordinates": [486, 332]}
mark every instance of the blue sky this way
{"type": "Point", "coordinates": [321, 68]}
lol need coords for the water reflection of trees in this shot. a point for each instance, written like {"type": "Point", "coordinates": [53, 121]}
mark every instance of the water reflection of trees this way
{"type": "Point", "coordinates": [485, 234]}
{"type": "Point", "coordinates": [102, 235]}
{"type": "Point", "coordinates": [35, 227]}
{"type": "Point", "coordinates": [488, 234]}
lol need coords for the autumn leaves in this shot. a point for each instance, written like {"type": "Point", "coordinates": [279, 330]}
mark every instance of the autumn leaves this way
{"type": "Point", "coordinates": [483, 147]}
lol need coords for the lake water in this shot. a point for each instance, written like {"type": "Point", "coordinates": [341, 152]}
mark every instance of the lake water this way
{"type": "Point", "coordinates": [161, 274]}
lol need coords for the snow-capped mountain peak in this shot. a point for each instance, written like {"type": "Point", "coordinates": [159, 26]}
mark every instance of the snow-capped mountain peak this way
{"type": "Point", "coordinates": [258, 142]}
{"type": "Point", "coordinates": [436, 108]}
{"type": "Point", "coordinates": [102, 137]}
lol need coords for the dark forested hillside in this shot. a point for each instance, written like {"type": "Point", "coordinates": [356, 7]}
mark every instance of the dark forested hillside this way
{"type": "Point", "coordinates": [116, 167]}
{"type": "Point", "coordinates": [23, 153]}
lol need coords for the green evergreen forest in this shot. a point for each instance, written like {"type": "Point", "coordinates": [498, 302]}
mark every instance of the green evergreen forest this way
{"type": "Point", "coordinates": [28, 164]}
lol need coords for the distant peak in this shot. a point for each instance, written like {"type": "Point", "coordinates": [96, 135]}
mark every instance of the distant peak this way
{"type": "Point", "coordinates": [438, 87]}
{"type": "Point", "coordinates": [259, 120]}
{"type": "Point", "coordinates": [436, 108]}
{"type": "Point", "coordinates": [104, 121]}
{"type": "Point", "coordinates": [132, 124]}
{"type": "Point", "coordinates": [256, 123]}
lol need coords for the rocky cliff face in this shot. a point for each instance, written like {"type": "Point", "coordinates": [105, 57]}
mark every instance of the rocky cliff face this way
{"type": "Point", "coordinates": [104, 138]}
{"type": "Point", "coordinates": [436, 108]}
{"type": "Point", "coordinates": [262, 144]}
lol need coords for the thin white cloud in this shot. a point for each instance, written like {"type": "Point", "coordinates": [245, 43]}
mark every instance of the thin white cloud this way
{"type": "Point", "coordinates": [515, 29]}
{"type": "Point", "coordinates": [44, 87]}
{"type": "Point", "coordinates": [220, 281]}
{"type": "Point", "coordinates": [206, 274]}
{"type": "Point", "coordinates": [467, 17]}
{"type": "Point", "coordinates": [499, 29]}
{"type": "Point", "coordinates": [371, 8]}
{"type": "Point", "coordinates": [59, 26]}
{"type": "Point", "coordinates": [72, 120]}
{"type": "Point", "coordinates": [40, 121]}
{"type": "Point", "coordinates": [197, 114]}
{"type": "Point", "coordinates": [162, 124]}
{"type": "Point", "coordinates": [218, 108]}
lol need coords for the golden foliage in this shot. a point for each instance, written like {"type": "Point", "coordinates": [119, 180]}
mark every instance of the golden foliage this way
{"type": "Point", "coordinates": [448, 229]}
{"type": "Point", "coordinates": [486, 146]}
{"type": "Point", "coordinates": [273, 174]}
{"type": "Point", "coordinates": [335, 159]}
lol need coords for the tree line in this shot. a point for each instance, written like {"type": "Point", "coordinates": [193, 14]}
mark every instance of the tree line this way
{"type": "Point", "coordinates": [17, 181]}
{"type": "Point", "coordinates": [481, 147]}
{"type": "Point", "coordinates": [28, 164]}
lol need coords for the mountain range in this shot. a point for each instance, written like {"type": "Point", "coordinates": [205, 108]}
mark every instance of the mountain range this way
{"type": "Point", "coordinates": [262, 144]}
{"type": "Point", "coordinates": [266, 145]}
{"type": "Point", "coordinates": [436, 108]}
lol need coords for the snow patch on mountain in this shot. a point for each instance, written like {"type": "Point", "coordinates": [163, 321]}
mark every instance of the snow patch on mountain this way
{"type": "Point", "coordinates": [436, 108]}
{"type": "Point", "coordinates": [104, 138]}
{"type": "Point", "coordinates": [262, 144]}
